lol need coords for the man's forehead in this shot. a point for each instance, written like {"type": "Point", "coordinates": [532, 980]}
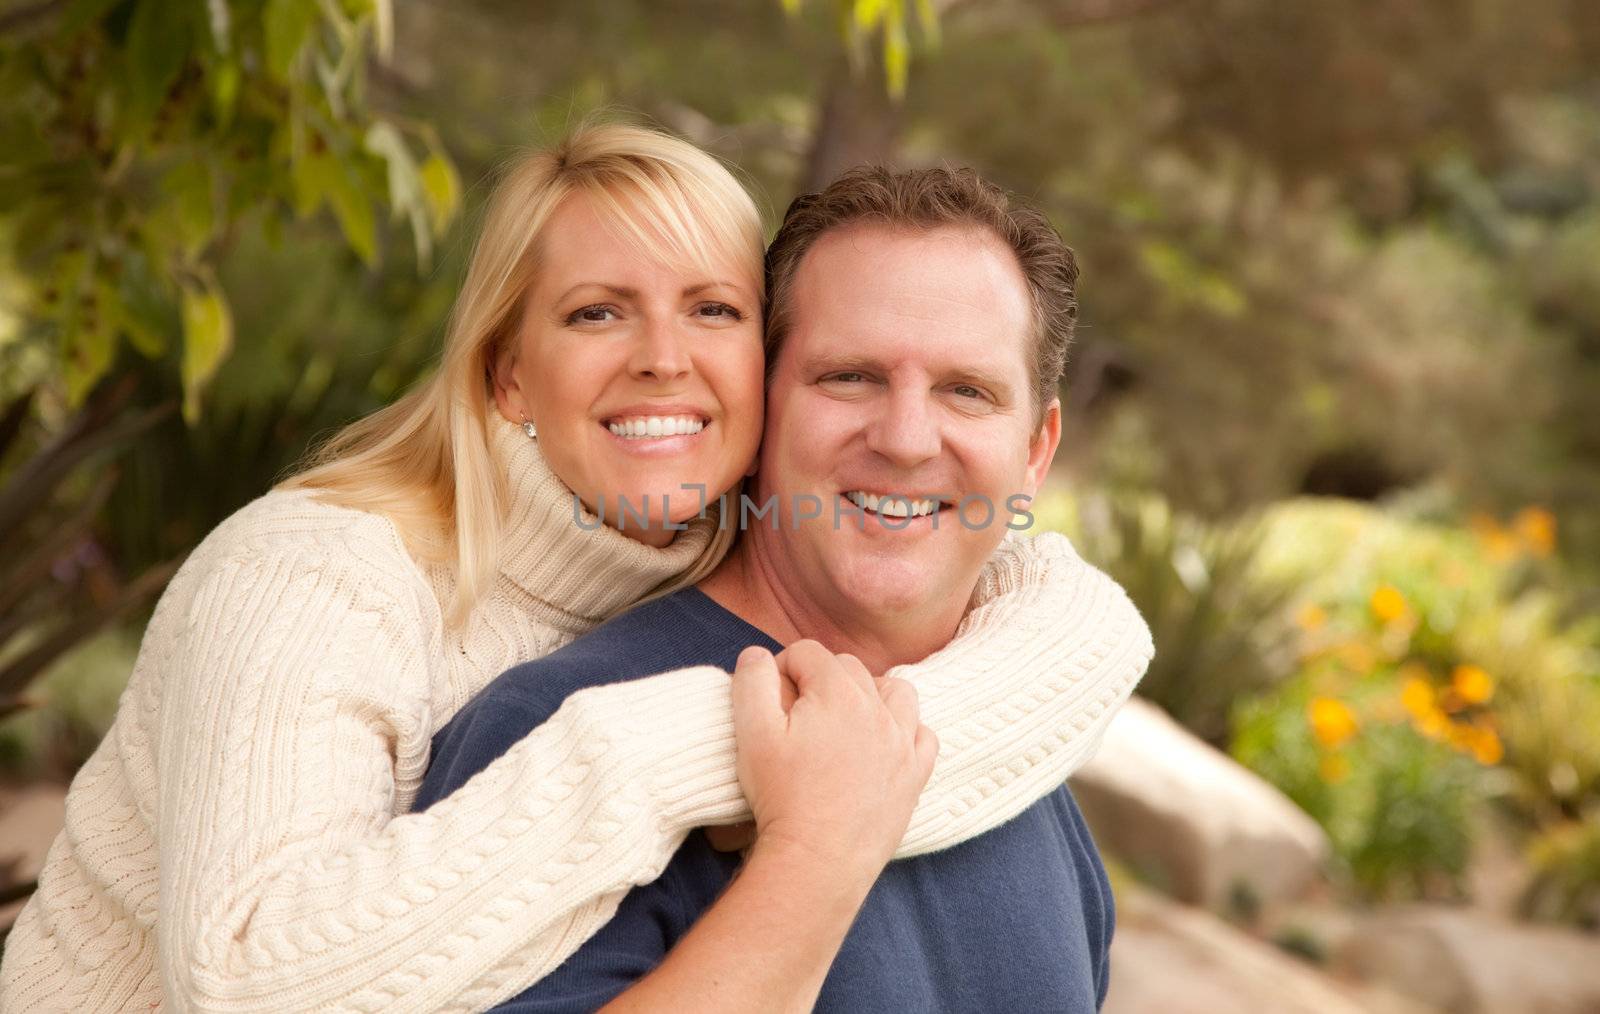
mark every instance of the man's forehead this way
{"type": "Point", "coordinates": [891, 286]}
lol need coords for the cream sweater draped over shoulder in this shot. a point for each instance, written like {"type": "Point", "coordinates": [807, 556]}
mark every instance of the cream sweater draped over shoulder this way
{"type": "Point", "coordinates": [239, 840]}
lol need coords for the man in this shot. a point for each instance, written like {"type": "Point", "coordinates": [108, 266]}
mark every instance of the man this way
{"type": "Point", "coordinates": [917, 331]}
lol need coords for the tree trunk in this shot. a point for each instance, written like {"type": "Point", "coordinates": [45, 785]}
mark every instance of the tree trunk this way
{"type": "Point", "coordinates": [857, 124]}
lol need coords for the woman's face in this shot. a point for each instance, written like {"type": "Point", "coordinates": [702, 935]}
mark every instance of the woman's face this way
{"type": "Point", "coordinates": [644, 380]}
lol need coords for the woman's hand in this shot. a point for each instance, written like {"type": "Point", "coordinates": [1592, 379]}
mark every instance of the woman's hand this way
{"type": "Point", "coordinates": [836, 773]}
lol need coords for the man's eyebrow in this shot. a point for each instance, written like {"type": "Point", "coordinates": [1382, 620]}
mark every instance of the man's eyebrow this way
{"type": "Point", "coordinates": [830, 364]}
{"type": "Point", "coordinates": [1000, 386]}
{"type": "Point", "coordinates": [996, 383]}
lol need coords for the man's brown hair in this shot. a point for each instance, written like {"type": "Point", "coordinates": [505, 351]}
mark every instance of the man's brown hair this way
{"type": "Point", "coordinates": [929, 199]}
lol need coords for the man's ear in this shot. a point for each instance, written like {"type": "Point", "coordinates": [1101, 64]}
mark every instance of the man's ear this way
{"type": "Point", "coordinates": [509, 396]}
{"type": "Point", "coordinates": [1042, 448]}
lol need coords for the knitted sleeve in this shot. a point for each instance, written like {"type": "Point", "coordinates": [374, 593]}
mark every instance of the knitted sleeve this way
{"type": "Point", "coordinates": [1022, 696]}
{"type": "Point", "coordinates": [287, 882]}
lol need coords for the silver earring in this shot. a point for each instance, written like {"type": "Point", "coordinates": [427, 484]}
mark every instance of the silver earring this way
{"type": "Point", "coordinates": [528, 428]}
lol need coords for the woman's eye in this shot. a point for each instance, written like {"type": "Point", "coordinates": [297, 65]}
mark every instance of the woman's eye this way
{"type": "Point", "coordinates": [596, 314]}
{"type": "Point", "coordinates": [721, 311]}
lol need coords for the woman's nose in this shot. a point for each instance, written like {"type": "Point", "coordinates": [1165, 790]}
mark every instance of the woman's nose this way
{"type": "Point", "coordinates": [659, 353]}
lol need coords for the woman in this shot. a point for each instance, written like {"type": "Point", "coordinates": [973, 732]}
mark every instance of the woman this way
{"type": "Point", "coordinates": [240, 841]}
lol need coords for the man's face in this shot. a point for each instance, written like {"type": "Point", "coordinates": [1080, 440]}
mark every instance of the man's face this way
{"type": "Point", "coordinates": [904, 373]}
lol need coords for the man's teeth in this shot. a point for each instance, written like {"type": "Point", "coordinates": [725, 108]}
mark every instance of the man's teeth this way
{"type": "Point", "coordinates": [656, 426]}
{"type": "Point", "coordinates": [892, 506]}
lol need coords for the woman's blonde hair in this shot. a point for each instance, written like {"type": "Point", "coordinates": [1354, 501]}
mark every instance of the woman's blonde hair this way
{"type": "Point", "coordinates": [424, 462]}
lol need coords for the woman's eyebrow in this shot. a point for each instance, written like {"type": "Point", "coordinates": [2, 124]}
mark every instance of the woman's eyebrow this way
{"type": "Point", "coordinates": [620, 291]}
{"type": "Point", "coordinates": [624, 292]}
{"type": "Point", "coordinates": [703, 286]}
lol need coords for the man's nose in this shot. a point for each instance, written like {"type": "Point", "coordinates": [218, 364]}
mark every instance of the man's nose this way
{"type": "Point", "coordinates": [905, 429]}
{"type": "Point", "coordinates": [659, 352]}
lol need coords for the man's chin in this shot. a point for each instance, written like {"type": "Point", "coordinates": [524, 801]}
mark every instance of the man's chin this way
{"type": "Point", "coordinates": [896, 587]}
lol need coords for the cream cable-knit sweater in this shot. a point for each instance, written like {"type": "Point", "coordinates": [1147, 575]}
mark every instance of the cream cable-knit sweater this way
{"type": "Point", "coordinates": [240, 841]}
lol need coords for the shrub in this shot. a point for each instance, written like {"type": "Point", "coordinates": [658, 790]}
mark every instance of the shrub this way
{"type": "Point", "coordinates": [1220, 630]}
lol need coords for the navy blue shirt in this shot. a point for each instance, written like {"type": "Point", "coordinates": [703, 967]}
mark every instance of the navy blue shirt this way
{"type": "Point", "coordinates": [1015, 920]}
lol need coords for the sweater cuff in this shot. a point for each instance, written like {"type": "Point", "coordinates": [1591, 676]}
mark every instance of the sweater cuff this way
{"type": "Point", "coordinates": [681, 725]}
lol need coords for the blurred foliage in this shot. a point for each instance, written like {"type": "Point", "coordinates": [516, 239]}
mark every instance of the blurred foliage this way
{"type": "Point", "coordinates": [77, 699]}
{"type": "Point", "coordinates": [1439, 666]}
{"type": "Point", "coordinates": [892, 21]}
{"type": "Point", "coordinates": [1565, 886]}
{"type": "Point", "coordinates": [1397, 807]}
{"type": "Point", "coordinates": [1220, 631]}
{"type": "Point", "coordinates": [138, 134]}
{"type": "Point", "coordinates": [57, 585]}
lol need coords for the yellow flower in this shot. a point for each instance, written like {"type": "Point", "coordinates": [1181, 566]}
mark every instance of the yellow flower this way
{"type": "Point", "coordinates": [1417, 696]}
{"type": "Point", "coordinates": [1536, 529]}
{"type": "Point", "coordinates": [1432, 724]}
{"type": "Point", "coordinates": [1311, 617]}
{"type": "Point", "coordinates": [1359, 658]}
{"type": "Point", "coordinates": [1462, 736]}
{"type": "Point", "coordinates": [1473, 684]}
{"type": "Point", "coordinates": [1334, 768]}
{"type": "Point", "coordinates": [1387, 603]}
{"type": "Point", "coordinates": [1487, 748]}
{"type": "Point", "coordinates": [1501, 546]}
{"type": "Point", "coordinates": [1332, 721]}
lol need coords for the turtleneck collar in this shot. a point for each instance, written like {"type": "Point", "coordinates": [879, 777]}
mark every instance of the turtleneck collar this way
{"type": "Point", "coordinates": [590, 570]}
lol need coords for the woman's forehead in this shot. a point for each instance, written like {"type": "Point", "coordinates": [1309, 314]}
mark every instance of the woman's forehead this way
{"type": "Point", "coordinates": [633, 236]}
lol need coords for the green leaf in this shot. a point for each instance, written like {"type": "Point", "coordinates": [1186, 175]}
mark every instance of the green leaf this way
{"type": "Point", "coordinates": [144, 313]}
{"type": "Point", "coordinates": [322, 175]}
{"type": "Point", "coordinates": [868, 13]}
{"type": "Point", "coordinates": [220, 21]}
{"type": "Point", "coordinates": [405, 188]}
{"type": "Point", "coordinates": [80, 14]}
{"type": "Point", "coordinates": [90, 326]}
{"type": "Point", "coordinates": [207, 339]}
{"type": "Point", "coordinates": [306, 180]}
{"type": "Point", "coordinates": [928, 21]}
{"type": "Point", "coordinates": [192, 205]}
{"type": "Point", "coordinates": [287, 24]}
{"type": "Point", "coordinates": [352, 208]}
{"type": "Point", "coordinates": [896, 57]}
{"type": "Point", "coordinates": [224, 80]}
{"type": "Point", "coordinates": [159, 39]}
{"type": "Point", "coordinates": [442, 188]}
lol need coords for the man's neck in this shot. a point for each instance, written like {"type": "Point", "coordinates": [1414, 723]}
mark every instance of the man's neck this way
{"type": "Point", "coordinates": [746, 584]}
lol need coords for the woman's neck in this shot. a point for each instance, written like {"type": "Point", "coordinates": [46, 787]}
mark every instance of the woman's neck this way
{"type": "Point", "coordinates": [560, 553]}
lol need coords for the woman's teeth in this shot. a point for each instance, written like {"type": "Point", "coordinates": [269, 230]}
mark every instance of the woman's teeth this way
{"type": "Point", "coordinates": [644, 427]}
{"type": "Point", "coordinates": [892, 506]}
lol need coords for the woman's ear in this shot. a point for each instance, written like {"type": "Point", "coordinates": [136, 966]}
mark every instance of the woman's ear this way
{"type": "Point", "coordinates": [508, 394]}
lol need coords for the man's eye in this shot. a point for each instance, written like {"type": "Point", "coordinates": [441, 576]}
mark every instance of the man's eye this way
{"type": "Point", "coordinates": [599, 313]}
{"type": "Point", "coordinates": [967, 391]}
{"type": "Point", "coordinates": [720, 311]}
{"type": "Point", "coordinates": [847, 377]}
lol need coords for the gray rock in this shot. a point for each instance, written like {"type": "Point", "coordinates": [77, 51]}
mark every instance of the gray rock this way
{"type": "Point", "coordinates": [1192, 820]}
{"type": "Point", "coordinates": [1467, 961]}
